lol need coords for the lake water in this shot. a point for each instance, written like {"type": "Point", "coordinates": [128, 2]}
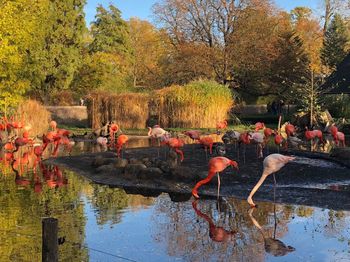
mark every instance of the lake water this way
{"type": "Point", "coordinates": [99, 223]}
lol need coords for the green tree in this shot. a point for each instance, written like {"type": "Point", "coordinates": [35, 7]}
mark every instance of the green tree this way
{"type": "Point", "coordinates": [61, 55]}
{"type": "Point", "coordinates": [335, 41]}
{"type": "Point", "coordinates": [109, 31]}
{"type": "Point", "coordinates": [107, 62]}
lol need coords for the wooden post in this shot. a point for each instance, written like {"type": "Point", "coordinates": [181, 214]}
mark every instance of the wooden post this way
{"type": "Point", "coordinates": [50, 240]}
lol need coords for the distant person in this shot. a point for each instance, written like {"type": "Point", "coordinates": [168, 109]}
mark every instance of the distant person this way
{"type": "Point", "coordinates": [280, 105]}
{"type": "Point", "coordinates": [274, 107]}
{"type": "Point", "coordinates": [81, 101]}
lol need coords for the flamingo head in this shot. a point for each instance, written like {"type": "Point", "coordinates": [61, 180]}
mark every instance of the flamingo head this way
{"type": "Point", "coordinates": [234, 164]}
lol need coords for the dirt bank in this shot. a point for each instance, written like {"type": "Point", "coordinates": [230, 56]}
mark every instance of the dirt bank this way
{"type": "Point", "coordinates": [316, 181]}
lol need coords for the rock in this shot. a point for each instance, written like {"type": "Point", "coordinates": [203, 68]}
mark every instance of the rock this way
{"type": "Point", "coordinates": [182, 173]}
{"type": "Point", "coordinates": [105, 169]}
{"type": "Point", "coordinates": [164, 166]}
{"type": "Point", "coordinates": [172, 159]}
{"type": "Point", "coordinates": [150, 173]}
{"type": "Point", "coordinates": [100, 161]}
{"type": "Point", "coordinates": [120, 163]}
{"type": "Point", "coordinates": [135, 161]}
{"type": "Point", "coordinates": [341, 153]}
{"type": "Point", "coordinates": [134, 169]}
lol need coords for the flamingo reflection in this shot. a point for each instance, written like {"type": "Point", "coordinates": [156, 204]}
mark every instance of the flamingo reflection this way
{"type": "Point", "coordinates": [216, 233]}
{"type": "Point", "coordinates": [272, 246]}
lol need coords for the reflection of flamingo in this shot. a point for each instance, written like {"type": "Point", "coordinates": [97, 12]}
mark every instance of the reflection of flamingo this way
{"type": "Point", "coordinates": [218, 234]}
{"type": "Point", "coordinates": [272, 163]}
{"type": "Point", "coordinates": [273, 246]}
{"type": "Point", "coordinates": [216, 165]}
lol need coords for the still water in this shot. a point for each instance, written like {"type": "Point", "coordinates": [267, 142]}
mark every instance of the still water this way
{"type": "Point", "coordinates": [98, 223]}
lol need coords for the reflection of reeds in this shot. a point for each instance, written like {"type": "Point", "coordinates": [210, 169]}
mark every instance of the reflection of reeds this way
{"type": "Point", "coordinates": [198, 104]}
{"type": "Point", "coordinates": [34, 114]}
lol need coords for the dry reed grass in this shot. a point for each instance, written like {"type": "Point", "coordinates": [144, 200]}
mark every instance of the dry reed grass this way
{"type": "Point", "coordinates": [36, 115]}
{"type": "Point", "coordinates": [199, 104]}
{"type": "Point", "coordinates": [128, 110]}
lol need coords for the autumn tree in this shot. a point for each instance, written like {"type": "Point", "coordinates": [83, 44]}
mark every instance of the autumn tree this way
{"type": "Point", "coordinates": [149, 46]}
{"type": "Point", "coordinates": [209, 23]}
{"type": "Point", "coordinates": [335, 43]}
{"type": "Point", "coordinates": [310, 32]}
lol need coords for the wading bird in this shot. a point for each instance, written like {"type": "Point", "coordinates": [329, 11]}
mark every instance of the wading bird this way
{"type": "Point", "coordinates": [121, 140]}
{"type": "Point", "coordinates": [216, 165]}
{"type": "Point", "coordinates": [272, 164]}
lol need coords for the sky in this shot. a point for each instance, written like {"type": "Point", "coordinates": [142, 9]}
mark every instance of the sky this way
{"type": "Point", "coordinates": [142, 8]}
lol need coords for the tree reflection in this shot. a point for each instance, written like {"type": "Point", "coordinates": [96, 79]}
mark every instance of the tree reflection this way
{"type": "Point", "coordinates": [26, 198]}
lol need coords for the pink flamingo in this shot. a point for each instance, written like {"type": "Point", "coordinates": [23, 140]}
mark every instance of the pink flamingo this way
{"type": "Point", "coordinates": [259, 125]}
{"type": "Point", "coordinates": [121, 140]}
{"type": "Point", "coordinates": [216, 165]}
{"type": "Point", "coordinates": [207, 141]}
{"type": "Point", "coordinates": [176, 144]}
{"type": "Point", "coordinates": [272, 164]}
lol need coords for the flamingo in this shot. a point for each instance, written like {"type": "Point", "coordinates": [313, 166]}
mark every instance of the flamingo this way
{"type": "Point", "coordinates": [121, 140]}
{"type": "Point", "coordinates": [102, 141]}
{"type": "Point", "coordinates": [290, 129]}
{"type": "Point", "coordinates": [272, 164]}
{"type": "Point", "coordinates": [156, 132]}
{"type": "Point", "coordinates": [176, 144]}
{"type": "Point", "coordinates": [112, 130]}
{"type": "Point", "coordinates": [207, 141]}
{"type": "Point", "coordinates": [193, 134]}
{"type": "Point", "coordinates": [231, 136]}
{"type": "Point", "coordinates": [216, 165]}
{"type": "Point", "coordinates": [221, 125]}
{"type": "Point", "coordinates": [259, 125]}
{"type": "Point", "coordinates": [245, 139]}
{"type": "Point", "coordinates": [218, 234]}
{"type": "Point", "coordinates": [339, 136]}
{"type": "Point", "coordinates": [259, 140]}
{"type": "Point", "coordinates": [53, 125]}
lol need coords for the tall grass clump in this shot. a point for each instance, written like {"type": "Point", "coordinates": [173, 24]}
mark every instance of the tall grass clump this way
{"type": "Point", "coordinates": [36, 115]}
{"type": "Point", "coordinates": [199, 104]}
{"type": "Point", "coordinates": [128, 110]}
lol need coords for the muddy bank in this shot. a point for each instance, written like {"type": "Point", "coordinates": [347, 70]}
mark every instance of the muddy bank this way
{"type": "Point", "coordinates": [314, 179]}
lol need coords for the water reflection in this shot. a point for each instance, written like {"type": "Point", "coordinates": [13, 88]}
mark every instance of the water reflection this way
{"type": "Point", "coordinates": [216, 233]}
{"type": "Point", "coordinates": [272, 245]}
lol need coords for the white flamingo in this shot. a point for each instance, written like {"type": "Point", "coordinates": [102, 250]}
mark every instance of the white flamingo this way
{"type": "Point", "coordinates": [258, 139]}
{"type": "Point", "coordinates": [272, 164]}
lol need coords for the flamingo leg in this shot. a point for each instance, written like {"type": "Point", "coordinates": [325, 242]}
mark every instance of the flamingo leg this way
{"type": "Point", "coordinates": [218, 185]}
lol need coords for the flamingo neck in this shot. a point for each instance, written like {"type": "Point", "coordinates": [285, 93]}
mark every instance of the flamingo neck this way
{"type": "Point", "coordinates": [149, 131]}
{"type": "Point", "coordinates": [257, 186]}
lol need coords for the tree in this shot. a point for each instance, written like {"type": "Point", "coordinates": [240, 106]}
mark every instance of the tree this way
{"type": "Point", "coordinates": [148, 48]}
{"type": "Point", "coordinates": [335, 43]}
{"type": "Point", "coordinates": [209, 23]}
{"type": "Point", "coordinates": [107, 61]}
{"type": "Point", "coordinates": [21, 37]}
{"type": "Point", "coordinates": [61, 54]}
{"type": "Point", "coordinates": [109, 32]}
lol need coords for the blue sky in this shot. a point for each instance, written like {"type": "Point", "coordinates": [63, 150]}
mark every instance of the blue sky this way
{"type": "Point", "coordinates": [142, 8]}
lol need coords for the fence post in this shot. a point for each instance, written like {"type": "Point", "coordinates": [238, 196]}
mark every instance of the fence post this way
{"type": "Point", "coordinates": [50, 240]}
